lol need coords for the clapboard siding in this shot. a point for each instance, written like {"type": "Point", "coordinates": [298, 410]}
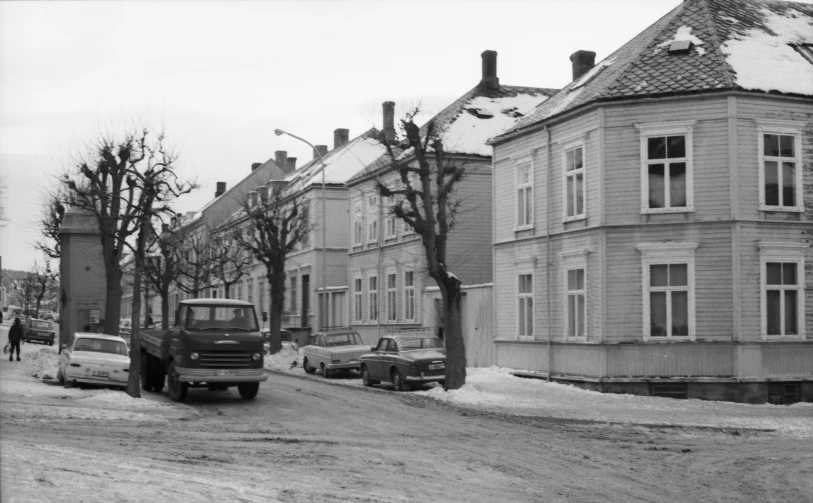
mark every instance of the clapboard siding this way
{"type": "Point", "coordinates": [698, 109]}
{"type": "Point", "coordinates": [469, 244]}
{"type": "Point", "coordinates": [505, 196]}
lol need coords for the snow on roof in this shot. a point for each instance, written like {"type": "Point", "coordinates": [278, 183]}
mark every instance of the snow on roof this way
{"type": "Point", "coordinates": [684, 33]}
{"type": "Point", "coordinates": [763, 58]}
{"type": "Point", "coordinates": [483, 118]}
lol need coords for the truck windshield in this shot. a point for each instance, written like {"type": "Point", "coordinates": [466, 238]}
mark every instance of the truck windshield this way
{"type": "Point", "coordinates": [220, 317]}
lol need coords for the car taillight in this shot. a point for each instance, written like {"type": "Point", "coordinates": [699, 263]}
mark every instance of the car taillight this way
{"type": "Point", "coordinates": [336, 361]}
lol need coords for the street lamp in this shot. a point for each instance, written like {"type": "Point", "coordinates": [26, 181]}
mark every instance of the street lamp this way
{"type": "Point", "coordinates": [280, 132]}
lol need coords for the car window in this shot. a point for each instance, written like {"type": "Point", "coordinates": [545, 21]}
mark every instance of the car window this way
{"type": "Point", "coordinates": [382, 345]}
{"type": "Point", "coordinates": [420, 343]}
{"type": "Point", "coordinates": [101, 346]}
{"type": "Point", "coordinates": [40, 324]}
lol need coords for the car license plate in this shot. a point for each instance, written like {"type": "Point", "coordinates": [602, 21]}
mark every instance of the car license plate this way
{"type": "Point", "coordinates": [227, 372]}
{"type": "Point", "coordinates": [100, 373]}
{"type": "Point", "coordinates": [437, 366]}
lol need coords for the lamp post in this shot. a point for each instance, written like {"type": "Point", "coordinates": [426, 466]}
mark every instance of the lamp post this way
{"type": "Point", "coordinates": [280, 132]}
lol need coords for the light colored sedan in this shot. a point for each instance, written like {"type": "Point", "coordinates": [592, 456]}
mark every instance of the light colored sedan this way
{"type": "Point", "coordinates": [333, 349]}
{"type": "Point", "coordinates": [94, 359]}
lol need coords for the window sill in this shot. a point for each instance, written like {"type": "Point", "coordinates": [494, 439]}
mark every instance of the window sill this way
{"type": "Point", "coordinates": [780, 338]}
{"type": "Point", "coordinates": [574, 219]}
{"type": "Point", "coordinates": [669, 340]}
{"type": "Point", "coordinates": [521, 228]}
{"type": "Point", "coordinates": [667, 211]}
{"type": "Point", "coordinates": [781, 209]}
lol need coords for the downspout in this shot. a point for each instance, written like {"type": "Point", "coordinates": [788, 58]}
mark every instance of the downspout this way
{"type": "Point", "coordinates": [547, 254]}
{"type": "Point", "coordinates": [380, 251]}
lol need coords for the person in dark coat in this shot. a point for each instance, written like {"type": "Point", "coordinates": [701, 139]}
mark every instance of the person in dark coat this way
{"type": "Point", "coordinates": [15, 335]}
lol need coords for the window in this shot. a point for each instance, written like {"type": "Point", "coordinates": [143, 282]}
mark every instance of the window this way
{"type": "Point", "coordinates": [306, 235]}
{"type": "Point", "coordinates": [666, 167]}
{"type": "Point", "coordinates": [293, 294]}
{"type": "Point", "coordinates": [261, 295]}
{"type": "Point", "coordinates": [575, 303]}
{"type": "Point", "coordinates": [780, 172]}
{"type": "Point", "coordinates": [525, 203]}
{"type": "Point", "coordinates": [409, 295]}
{"type": "Point", "coordinates": [782, 280]}
{"type": "Point", "coordinates": [240, 291]}
{"type": "Point", "coordinates": [574, 183]}
{"type": "Point", "coordinates": [373, 297]}
{"type": "Point", "coordinates": [357, 297]}
{"type": "Point", "coordinates": [392, 305]}
{"type": "Point", "coordinates": [357, 224]}
{"type": "Point", "coordinates": [668, 290]}
{"type": "Point", "coordinates": [391, 218]}
{"type": "Point", "coordinates": [525, 313]}
{"type": "Point", "coordinates": [250, 290]}
{"type": "Point", "coordinates": [372, 219]}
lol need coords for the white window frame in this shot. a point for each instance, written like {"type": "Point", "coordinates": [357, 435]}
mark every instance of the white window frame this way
{"type": "Point", "coordinates": [784, 252]}
{"type": "Point", "coordinates": [358, 224]}
{"type": "Point", "coordinates": [372, 218]}
{"type": "Point", "coordinates": [676, 128]}
{"type": "Point", "coordinates": [567, 148]}
{"type": "Point", "coordinates": [521, 267]}
{"type": "Point", "coordinates": [390, 223]}
{"type": "Point", "coordinates": [358, 299]}
{"type": "Point", "coordinates": [409, 297]}
{"type": "Point", "coordinates": [413, 180]}
{"type": "Point", "coordinates": [574, 260]}
{"type": "Point", "coordinates": [785, 128]}
{"type": "Point", "coordinates": [372, 298]}
{"type": "Point", "coordinates": [527, 189]}
{"type": "Point", "coordinates": [306, 243]}
{"type": "Point", "coordinates": [667, 253]}
{"type": "Point", "coordinates": [392, 296]}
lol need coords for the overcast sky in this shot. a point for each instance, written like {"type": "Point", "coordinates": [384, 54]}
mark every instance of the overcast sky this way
{"type": "Point", "coordinates": [219, 77]}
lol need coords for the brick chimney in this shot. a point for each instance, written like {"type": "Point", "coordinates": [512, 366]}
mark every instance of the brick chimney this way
{"type": "Point", "coordinates": [290, 165]}
{"type": "Point", "coordinates": [322, 149]}
{"type": "Point", "coordinates": [255, 165]}
{"type": "Point", "coordinates": [490, 79]}
{"type": "Point", "coordinates": [389, 121]}
{"type": "Point", "coordinates": [252, 198]}
{"type": "Point", "coordinates": [263, 191]}
{"type": "Point", "coordinates": [221, 189]}
{"type": "Point", "coordinates": [277, 186]}
{"type": "Point", "coordinates": [583, 62]}
{"type": "Point", "coordinates": [340, 137]}
{"type": "Point", "coordinates": [281, 158]}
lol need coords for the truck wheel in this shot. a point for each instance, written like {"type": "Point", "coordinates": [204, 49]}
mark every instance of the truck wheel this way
{"type": "Point", "coordinates": [307, 367]}
{"type": "Point", "coordinates": [146, 373]}
{"type": "Point", "coordinates": [176, 389]}
{"type": "Point", "coordinates": [248, 390]}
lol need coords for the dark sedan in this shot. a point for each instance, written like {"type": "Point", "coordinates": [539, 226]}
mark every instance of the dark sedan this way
{"type": "Point", "coordinates": [405, 361]}
{"type": "Point", "coordinates": [39, 331]}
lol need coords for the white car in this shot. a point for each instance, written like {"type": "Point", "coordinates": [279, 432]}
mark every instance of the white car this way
{"type": "Point", "coordinates": [94, 359]}
{"type": "Point", "coordinates": [333, 349]}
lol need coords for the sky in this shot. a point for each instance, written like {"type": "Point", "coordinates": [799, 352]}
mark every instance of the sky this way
{"type": "Point", "coordinates": [219, 77]}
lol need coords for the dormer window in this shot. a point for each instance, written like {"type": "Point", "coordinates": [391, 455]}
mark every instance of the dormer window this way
{"type": "Point", "coordinates": [680, 47]}
{"type": "Point", "coordinates": [480, 113]}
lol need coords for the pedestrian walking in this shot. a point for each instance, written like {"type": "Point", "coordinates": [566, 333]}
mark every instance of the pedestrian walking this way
{"type": "Point", "coordinates": [1, 317]}
{"type": "Point", "coordinates": [15, 335]}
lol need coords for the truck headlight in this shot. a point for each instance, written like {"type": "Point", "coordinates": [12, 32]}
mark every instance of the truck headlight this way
{"type": "Point", "coordinates": [256, 356]}
{"type": "Point", "coordinates": [194, 356]}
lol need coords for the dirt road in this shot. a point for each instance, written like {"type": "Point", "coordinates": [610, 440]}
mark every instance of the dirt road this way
{"type": "Point", "coordinates": [310, 440]}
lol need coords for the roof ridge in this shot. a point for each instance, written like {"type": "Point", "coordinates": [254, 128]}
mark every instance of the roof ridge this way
{"type": "Point", "coordinates": [718, 50]}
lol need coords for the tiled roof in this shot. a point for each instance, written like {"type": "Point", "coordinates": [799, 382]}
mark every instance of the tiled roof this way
{"type": "Point", "coordinates": [737, 44]}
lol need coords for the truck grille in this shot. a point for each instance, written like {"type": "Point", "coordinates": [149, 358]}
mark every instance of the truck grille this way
{"type": "Point", "coordinates": [220, 358]}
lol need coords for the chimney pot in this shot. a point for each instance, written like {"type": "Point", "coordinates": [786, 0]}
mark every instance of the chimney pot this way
{"type": "Point", "coordinates": [490, 79]}
{"type": "Point", "coordinates": [290, 165]}
{"type": "Point", "coordinates": [255, 165]}
{"type": "Point", "coordinates": [389, 121]}
{"type": "Point", "coordinates": [280, 158]}
{"type": "Point", "coordinates": [340, 137]}
{"type": "Point", "coordinates": [322, 149]}
{"type": "Point", "coordinates": [583, 62]}
{"type": "Point", "coordinates": [221, 189]}
{"type": "Point", "coordinates": [263, 191]}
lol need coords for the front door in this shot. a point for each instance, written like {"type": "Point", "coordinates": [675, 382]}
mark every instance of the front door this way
{"type": "Point", "coordinates": [306, 298]}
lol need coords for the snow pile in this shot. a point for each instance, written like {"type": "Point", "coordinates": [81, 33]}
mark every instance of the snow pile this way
{"type": "Point", "coordinates": [341, 165]}
{"type": "Point", "coordinates": [765, 61]}
{"type": "Point", "coordinates": [284, 360]}
{"type": "Point", "coordinates": [682, 34]}
{"type": "Point", "coordinates": [483, 118]}
{"type": "Point", "coordinates": [495, 389]}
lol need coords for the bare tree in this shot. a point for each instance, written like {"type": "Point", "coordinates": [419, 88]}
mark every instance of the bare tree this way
{"type": "Point", "coordinates": [51, 216]}
{"type": "Point", "coordinates": [194, 263]}
{"type": "Point", "coordinates": [161, 270]}
{"type": "Point", "coordinates": [45, 282]}
{"type": "Point", "coordinates": [273, 226]}
{"type": "Point", "coordinates": [3, 217]}
{"type": "Point", "coordinates": [26, 289]}
{"type": "Point", "coordinates": [426, 206]}
{"type": "Point", "coordinates": [229, 263]}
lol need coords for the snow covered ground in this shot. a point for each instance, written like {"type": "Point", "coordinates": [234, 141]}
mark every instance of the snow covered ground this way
{"type": "Point", "coordinates": [497, 390]}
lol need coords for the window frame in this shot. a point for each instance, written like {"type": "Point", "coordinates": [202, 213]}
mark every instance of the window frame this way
{"type": "Point", "coordinates": [523, 298]}
{"type": "Point", "coordinates": [372, 298]}
{"type": "Point", "coordinates": [784, 128]}
{"type": "Point", "coordinates": [566, 148]}
{"type": "Point", "coordinates": [676, 128]}
{"type": "Point", "coordinates": [574, 260]}
{"type": "Point", "coordinates": [392, 296]}
{"type": "Point", "coordinates": [787, 253]}
{"type": "Point", "coordinates": [527, 188]}
{"type": "Point", "coordinates": [358, 298]}
{"type": "Point", "coordinates": [372, 219]}
{"type": "Point", "coordinates": [358, 223]}
{"type": "Point", "coordinates": [409, 295]}
{"type": "Point", "coordinates": [390, 220]}
{"type": "Point", "coordinates": [660, 254]}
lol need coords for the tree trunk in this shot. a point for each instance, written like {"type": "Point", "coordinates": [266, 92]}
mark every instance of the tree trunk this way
{"type": "Point", "coordinates": [453, 336]}
{"type": "Point", "coordinates": [277, 294]}
{"type": "Point", "coordinates": [134, 377]}
{"type": "Point", "coordinates": [112, 307]}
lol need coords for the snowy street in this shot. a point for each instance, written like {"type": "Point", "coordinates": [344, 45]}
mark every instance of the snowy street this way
{"type": "Point", "coordinates": [500, 438]}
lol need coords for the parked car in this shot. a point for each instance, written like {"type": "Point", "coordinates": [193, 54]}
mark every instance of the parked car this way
{"type": "Point", "coordinates": [287, 340]}
{"type": "Point", "coordinates": [47, 315]}
{"type": "Point", "coordinates": [405, 360]}
{"type": "Point", "coordinates": [333, 349]}
{"type": "Point", "coordinates": [39, 331]}
{"type": "Point", "coordinates": [94, 359]}
{"type": "Point", "coordinates": [125, 327]}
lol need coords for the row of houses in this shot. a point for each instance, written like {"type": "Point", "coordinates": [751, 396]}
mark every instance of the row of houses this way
{"type": "Point", "coordinates": [645, 229]}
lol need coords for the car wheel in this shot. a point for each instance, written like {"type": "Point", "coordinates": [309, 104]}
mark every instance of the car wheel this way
{"type": "Point", "coordinates": [307, 366]}
{"type": "Point", "coordinates": [366, 378]}
{"type": "Point", "coordinates": [51, 343]}
{"type": "Point", "coordinates": [146, 374]}
{"type": "Point", "coordinates": [158, 380]}
{"type": "Point", "coordinates": [325, 372]}
{"type": "Point", "coordinates": [398, 381]}
{"type": "Point", "coordinates": [176, 389]}
{"type": "Point", "coordinates": [248, 390]}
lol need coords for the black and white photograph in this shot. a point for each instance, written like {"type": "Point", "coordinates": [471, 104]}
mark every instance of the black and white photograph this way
{"type": "Point", "coordinates": [392, 251]}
